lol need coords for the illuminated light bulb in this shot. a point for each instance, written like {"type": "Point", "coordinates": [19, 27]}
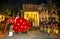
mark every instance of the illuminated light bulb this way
{"type": "Point", "coordinates": [20, 20]}
{"type": "Point", "coordinates": [25, 26]}
{"type": "Point", "coordinates": [21, 26]}
{"type": "Point", "coordinates": [16, 27]}
{"type": "Point", "coordinates": [23, 23]}
{"type": "Point", "coordinates": [18, 24]}
{"type": "Point", "coordinates": [15, 22]}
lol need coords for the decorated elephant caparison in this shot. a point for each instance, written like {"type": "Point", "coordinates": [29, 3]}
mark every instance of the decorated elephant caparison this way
{"type": "Point", "coordinates": [19, 24]}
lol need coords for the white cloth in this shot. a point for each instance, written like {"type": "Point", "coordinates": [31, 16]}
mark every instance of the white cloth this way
{"type": "Point", "coordinates": [10, 34]}
{"type": "Point", "coordinates": [11, 31]}
{"type": "Point", "coordinates": [33, 24]}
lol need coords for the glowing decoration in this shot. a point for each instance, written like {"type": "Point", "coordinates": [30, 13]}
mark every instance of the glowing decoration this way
{"type": "Point", "coordinates": [2, 18]}
{"type": "Point", "coordinates": [25, 26]}
{"type": "Point", "coordinates": [23, 23]}
{"type": "Point", "coordinates": [20, 20]}
{"type": "Point", "coordinates": [56, 30]}
{"type": "Point", "coordinates": [49, 31]}
{"type": "Point", "coordinates": [19, 24]}
{"type": "Point", "coordinates": [32, 15]}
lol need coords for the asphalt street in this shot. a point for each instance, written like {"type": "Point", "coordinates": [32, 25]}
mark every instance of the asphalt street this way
{"type": "Point", "coordinates": [30, 35]}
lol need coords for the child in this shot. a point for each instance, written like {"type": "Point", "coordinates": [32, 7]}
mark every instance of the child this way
{"type": "Point", "coordinates": [49, 29]}
{"type": "Point", "coordinates": [56, 29]}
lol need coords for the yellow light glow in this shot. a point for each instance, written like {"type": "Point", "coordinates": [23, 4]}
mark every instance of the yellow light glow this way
{"type": "Point", "coordinates": [2, 17]}
{"type": "Point", "coordinates": [33, 15]}
{"type": "Point", "coordinates": [56, 31]}
{"type": "Point", "coordinates": [48, 31]}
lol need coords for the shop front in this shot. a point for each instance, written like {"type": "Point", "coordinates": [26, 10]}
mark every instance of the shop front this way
{"type": "Point", "coordinates": [32, 17]}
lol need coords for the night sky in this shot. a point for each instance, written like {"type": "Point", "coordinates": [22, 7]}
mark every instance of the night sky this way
{"type": "Point", "coordinates": [14, 2]}
{"type": "Point", "coordinates": [22, 1]}
{"type": "Point", "coordinates": [25, 1]}
{"type": "Point", "coordinates": [17, 3]}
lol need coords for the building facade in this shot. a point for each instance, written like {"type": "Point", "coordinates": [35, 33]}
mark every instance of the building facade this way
{"type": "Point", "coordinates": [38, 13]}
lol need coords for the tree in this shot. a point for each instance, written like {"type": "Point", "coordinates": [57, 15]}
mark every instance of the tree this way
{"type": "Point", "coordinates": [8, 12]}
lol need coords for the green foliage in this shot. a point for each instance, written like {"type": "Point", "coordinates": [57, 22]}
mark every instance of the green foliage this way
{"type": "Point", "coordinates": [8, 12]}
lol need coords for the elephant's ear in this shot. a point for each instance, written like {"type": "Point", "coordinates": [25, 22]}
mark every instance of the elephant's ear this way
{"type": "Point", "coordinates": [9, 20]}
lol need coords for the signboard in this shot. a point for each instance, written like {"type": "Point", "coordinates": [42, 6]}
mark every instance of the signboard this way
{"type": "Point", "coordinates": [2, 18]}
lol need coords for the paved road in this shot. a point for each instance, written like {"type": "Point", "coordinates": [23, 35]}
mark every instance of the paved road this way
{"type": "Point", "coordinates": [29, 35]}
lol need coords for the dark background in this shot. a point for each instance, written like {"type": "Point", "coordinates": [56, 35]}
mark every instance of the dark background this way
{"type": "Point", "coordinates": [17, 4]}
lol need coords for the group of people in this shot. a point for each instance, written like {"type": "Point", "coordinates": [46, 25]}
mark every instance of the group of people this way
{"type": "Point", "coordinates": [49, 27]}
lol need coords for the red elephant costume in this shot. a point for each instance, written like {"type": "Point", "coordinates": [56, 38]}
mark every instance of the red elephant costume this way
{"type": "Point", "coordinates": [19, 24]}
